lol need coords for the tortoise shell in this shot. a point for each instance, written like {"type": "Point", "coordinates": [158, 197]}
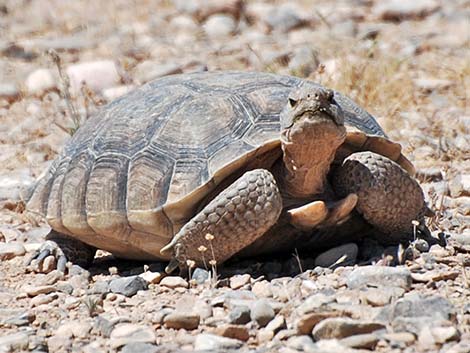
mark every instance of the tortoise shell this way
{"type": "Point", "coordinates": [138, 170]}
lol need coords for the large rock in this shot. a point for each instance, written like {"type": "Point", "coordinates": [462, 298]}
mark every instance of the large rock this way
{"type": "Point", "coordinates": [40, 81]}
{"type": "Point", "coordinates": [178, 320]}
{"type": "Point", "coordinates": [127, 286]}
{"type": "Point", "coordinates": [415, 306]}
{"type": "Point", "coordinates": [344, 255]}
{"type": "Point", "coordinates": [131, 333]}
{"type": "Point", "coordinates": [379, 276]}
{"type": "Point", "coordinates": [97, 75]}
{"type": "Point", "coordinates": [10, 250]}
{"type": "Point", "coordinates": [262, 312]}
{"type": "Point", "coordinates": [343, 327]}
{"type": "Point", "coordinates": [14, 342]}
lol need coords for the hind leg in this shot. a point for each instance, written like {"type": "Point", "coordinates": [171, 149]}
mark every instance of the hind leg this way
{"type": "Point", "coordinates": [64, 249]}
{"type": "Point", "coordinates": [388, 197]}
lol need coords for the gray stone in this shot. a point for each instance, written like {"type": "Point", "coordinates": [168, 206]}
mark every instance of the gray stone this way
{"type": "Point", "coordinates": [200, 275]}
{"type": "Point", "coordinates": [124, 334]}
{"type": "Point", "coordinates": [343, 327]}
{"type": "Point", "coordinates": [415, 306]}
{"type": "Point", "coordinates": [103, 326]}
{"type": "Point", "coordinates": [344, 255]}
{"type": "Point", "coordinates": [206, 341]}
{"type": "Point", "coordinates": [315, 302]}
{"type": "Point", "coordinates": [367, 341]}
{"type": "Point", "coordinates": [302, 343]}
{"type": "Point", "coordinates": [379, 276]}
{"type": "Point", "coordinates": [262, 312]}
{"type": "Point", "coordinates": [14, 342]}
{"type": "Point", "coordinates": [421, 245]}
{"type": "Point", "coordinates": [100, 287]}
{"type": "Point", "coordinates": [127, 286]}
{"type": "Point", "coordinates": [239, 315]}
{"type": "Point", "coordinates": [16, 317]}
{"type": "Point", "coordinates": [10, 250]}
{"type": "Point", "coordinates": [76, 270]}
{"type": "Point", "coordinates": [159, 316]}
{"type": "Point", "coordinates": [140, 347]}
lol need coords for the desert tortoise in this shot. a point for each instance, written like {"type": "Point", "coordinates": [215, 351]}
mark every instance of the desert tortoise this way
{"type": "Point", "coordinates": [230, 154]}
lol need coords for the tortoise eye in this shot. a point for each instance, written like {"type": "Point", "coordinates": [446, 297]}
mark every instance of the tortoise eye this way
{"type": "Point", "coordinates": [292, 102]}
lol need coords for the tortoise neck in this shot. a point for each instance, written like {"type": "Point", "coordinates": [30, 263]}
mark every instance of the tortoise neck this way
{"type": "Point", "coordinates": [306, 162]}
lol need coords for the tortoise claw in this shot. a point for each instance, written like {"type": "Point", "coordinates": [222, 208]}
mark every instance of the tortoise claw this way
{"type": "Point", "coordinates": [172, 265]}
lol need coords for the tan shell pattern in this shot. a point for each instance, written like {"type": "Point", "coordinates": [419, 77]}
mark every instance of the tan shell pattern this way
{"type": "Point", "coordinates": [135, 172]}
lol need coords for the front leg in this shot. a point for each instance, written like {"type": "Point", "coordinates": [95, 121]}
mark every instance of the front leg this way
{"type": "Point", "coordinates": [230, 222]}
{"type": "Point", "coordinates": [389, 198]}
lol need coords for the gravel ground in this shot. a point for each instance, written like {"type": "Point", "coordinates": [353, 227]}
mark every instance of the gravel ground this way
{"type": "Point", "coordinates": [407, 62]}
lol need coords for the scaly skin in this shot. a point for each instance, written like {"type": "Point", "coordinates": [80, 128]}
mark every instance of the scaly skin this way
{"type": "Point", "coordinates": [235, 218]}
{"type": "Point", "coordinates": [389, 198]}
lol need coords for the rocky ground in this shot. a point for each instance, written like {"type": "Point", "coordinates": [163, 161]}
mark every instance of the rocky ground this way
{"type": "Point", "coordinates": [407, 62]}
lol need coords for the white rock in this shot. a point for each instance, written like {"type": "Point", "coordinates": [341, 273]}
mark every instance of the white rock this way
{"type": "Point", "coordinates": [10, 250]}
{"type": "Point", "coordinates": [98, 75]}
{"type": "Point", "coordinates": [127, 333]}
{"type": "Point", "coordinates": [174, 282]}
{"type": "Point", "coordinates": [219, 26]}
{"type": "Point", "coordinates": [40, 81]}
{"type": "Point", "coordinates": [115, 92]}
{"type": "Point", "coordinates": [151, 277]}
{"type": "Point", "coordinates": [206, 341]}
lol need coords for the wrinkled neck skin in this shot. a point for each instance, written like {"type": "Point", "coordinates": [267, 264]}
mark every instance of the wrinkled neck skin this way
{"type": "Point", "coordinates": [307, 157]}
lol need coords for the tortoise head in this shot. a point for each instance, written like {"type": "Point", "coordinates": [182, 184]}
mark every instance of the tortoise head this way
{"type": "Point", "coordinates": [308, 109]}
{"type": "Point", "coordinates": [312, 129]}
